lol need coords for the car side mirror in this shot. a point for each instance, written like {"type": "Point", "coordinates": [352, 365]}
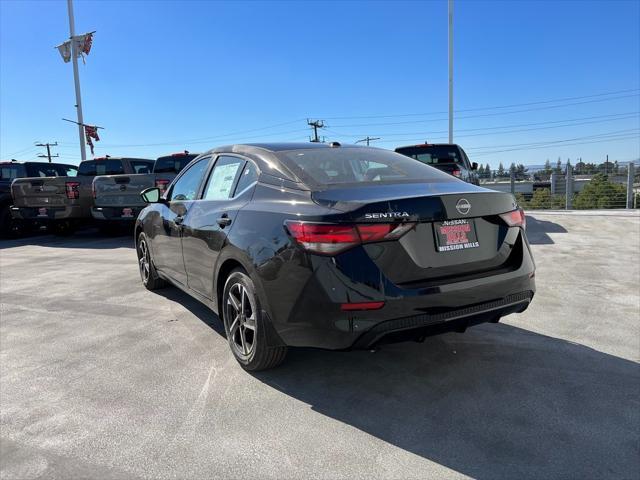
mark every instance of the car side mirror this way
{"type": "Point", "coordinates": [152, 195]}
{"type": "Point", "coordinates": [474, 166]}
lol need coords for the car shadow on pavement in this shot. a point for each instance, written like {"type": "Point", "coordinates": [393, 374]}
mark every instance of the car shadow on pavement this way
{"type": "Point", "coordinates": [204, 313]}
{"type": "Point", "coordinates": [85, 238]}
{"type": "Point", "coordinates": [496, 402]}
{"type": "Point", "coordinates": [538, 230]}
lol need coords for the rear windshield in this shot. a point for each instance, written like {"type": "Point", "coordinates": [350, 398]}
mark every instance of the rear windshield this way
{"type": "Point", "coordinates": [433, 154]}
{"type": "Point", "coordinates": [172, 164]}
{"type": "Point", "coordinates": [340, 166]}
{"type": "Point", "coordinates": [91, 168]}
{"type": "Point", "coordinates": [51, 170]}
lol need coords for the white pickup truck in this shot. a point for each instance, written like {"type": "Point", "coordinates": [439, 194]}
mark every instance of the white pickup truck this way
{"type": "Point", "coordinates": [116, 198]}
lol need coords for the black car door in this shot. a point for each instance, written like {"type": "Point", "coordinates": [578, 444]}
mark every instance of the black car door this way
{"type": "Point", "coordinates": [228, 188]}
{"type": "Point", "coordinates": [167, 235]}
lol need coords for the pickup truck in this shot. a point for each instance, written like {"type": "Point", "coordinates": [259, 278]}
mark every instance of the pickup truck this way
{"type": "Point", "coordinates": [116, 198]}
{"type": "Point", "coordinates": [9, 171]}
{"type": "Point", "coordinates": [447, 157]}
{"type": "Point", "coordinates": [65, 203]}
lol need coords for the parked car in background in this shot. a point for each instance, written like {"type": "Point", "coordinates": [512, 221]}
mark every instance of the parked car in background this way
{"type": "Point", "coordinates": [64, 203]}
{"type": "Point", "coordinates": [448, 157]}
{"type": "Point", "coordinates": [10, 171]}
{"type": "Point", "coordinates": [336, 247]}
{"type": "Point", "coordinates": [116, 198]}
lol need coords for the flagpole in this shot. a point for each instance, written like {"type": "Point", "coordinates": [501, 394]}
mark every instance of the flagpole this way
{"type": "Point", "coordinates": [76, 79]}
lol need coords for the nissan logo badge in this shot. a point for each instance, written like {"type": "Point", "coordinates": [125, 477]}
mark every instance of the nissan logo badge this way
{"type": "Point", "coordinates": [463, 206]}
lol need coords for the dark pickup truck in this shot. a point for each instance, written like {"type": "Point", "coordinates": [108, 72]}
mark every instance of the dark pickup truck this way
{"type": "Point", "coordinates": [116, 198]}
{"type": "Point", "coordinates": [62, 202]}
{"type": "Point", "coordinates": [10, 171]}
{"type": "Point", "coordinates": [447, 157]}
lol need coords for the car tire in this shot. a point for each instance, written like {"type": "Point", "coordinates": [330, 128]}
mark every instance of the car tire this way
{"type": "Point", "coordinates": [244, 325]}
{"type": "Point", "coordinates": [148, 274]}
{"type": "Point", "coordinates": [9, 226]}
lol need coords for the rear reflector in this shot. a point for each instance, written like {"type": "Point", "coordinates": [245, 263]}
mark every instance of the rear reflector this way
{"type": "Point", "coordinates": [71, 189]}
{"type": "Point", "coordinates": [334, 238]}
{"type": "Point", "coordinates": [349, 307]}
{"type": "Point", "coordinates": [515, 218]}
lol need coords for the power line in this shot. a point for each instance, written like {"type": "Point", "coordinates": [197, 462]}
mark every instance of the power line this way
{"type": "Point", "coordinates": [622, 115]}
{"type": "Point", "coordinates": [484, 114]}
{"type": "Point", "coordinates": [565, 99]}
{"type": "Point", "coordinates": [621, 137]}
{"type": "Point", "coordinates": [617, 132]}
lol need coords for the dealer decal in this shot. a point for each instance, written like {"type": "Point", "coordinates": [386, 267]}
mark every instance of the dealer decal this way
{"type": "Point", "coordinates": [456, 235]}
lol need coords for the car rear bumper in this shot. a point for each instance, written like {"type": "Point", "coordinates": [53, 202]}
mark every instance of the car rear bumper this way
{"type": "Point", "coordinates": [115, 214]}
{"type": "Point", "coordinates": [317, 319]}
{"type": "Point", "coordinates": [48, 214]}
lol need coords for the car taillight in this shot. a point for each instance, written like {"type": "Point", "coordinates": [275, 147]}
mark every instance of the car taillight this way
{"type": "Point", "coordinates": [330, 239]}
{"type": "Point", "coordinates": [456, 173]}
{"type": "Point", "coordinates": [349, 307]}
{"type": "Point", "coordinates": [71, 189]}
{"type": "Point", "coordinates": [162, 184]}
{"type": "Point", "coordinates": [515, 218]}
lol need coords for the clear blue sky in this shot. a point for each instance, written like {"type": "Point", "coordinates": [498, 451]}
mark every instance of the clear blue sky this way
{"type": "Point", "coordinates": [167, 73]}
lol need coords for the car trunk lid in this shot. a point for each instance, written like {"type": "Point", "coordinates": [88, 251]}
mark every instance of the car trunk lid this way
{"type": "Point", "coordinates": [457, 231]}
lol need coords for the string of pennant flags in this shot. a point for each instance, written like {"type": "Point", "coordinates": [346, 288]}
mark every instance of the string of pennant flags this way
{"type": "Point", "coordinates": [90, 132]}
{"type": "Point", "coordinates": [83, 43]}
{"type": "Point", "coordinates": [82, 46]}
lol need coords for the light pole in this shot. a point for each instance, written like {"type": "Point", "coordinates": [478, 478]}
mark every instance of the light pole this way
{"type": "Point", "coordinates": [76, 79]}
{"type": "Point", "coordinates": [450, 71]}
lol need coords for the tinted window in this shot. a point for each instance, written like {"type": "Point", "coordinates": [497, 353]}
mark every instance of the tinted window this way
{"type": "Point", "coordinates": [9, 172]}
{"type": "Point", "coordinates": [247, 178]}
{"type": "Point", "coordinates": [186, 187]}
{"type": "Point", "coordinates": [50, 170]}
{"type": "Point", "coordinates": [141, 166]}
{"type": "Point", "coordinates": [222, 178]}
{"type": "Point", "coordinates": [172, 164]}
{"type": "Point", "coordinates": [433, 154]}
{"type": "Point", "coordinates": [339, 166]}
{"type": "Point", "coordinates": [92, 168]}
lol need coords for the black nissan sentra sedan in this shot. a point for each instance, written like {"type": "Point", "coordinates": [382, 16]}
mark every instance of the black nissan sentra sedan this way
{"type": "Point", "coordinates": [333, 246]}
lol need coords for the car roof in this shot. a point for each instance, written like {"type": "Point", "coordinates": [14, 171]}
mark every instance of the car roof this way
{"type": "Point", "coordinates": [264, 154]}
{"type": "Point", "coordinates": [32, 162]}
{"type": "Point", "coordinates": [429, 145]}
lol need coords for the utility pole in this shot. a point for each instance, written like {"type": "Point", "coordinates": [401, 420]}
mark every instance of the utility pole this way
{"type": "Point", "coordinates": [368, 139]}
{"type": "Point", "coordinates": [48, 155]}
{"type": "Point", "coordinates": [315, 124]}
{"type": "Point", "coordinates": [76, 79]}
{"type": "Point", "coordinates": [450, 71]}
{"type": "Point", "coordinates": [606, 165]}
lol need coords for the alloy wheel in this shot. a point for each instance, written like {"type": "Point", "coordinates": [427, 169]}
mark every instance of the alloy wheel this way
{"type": "Point", "coordinates": [241, 320]}
{"type": "Point", "coordinates": [144, 260]}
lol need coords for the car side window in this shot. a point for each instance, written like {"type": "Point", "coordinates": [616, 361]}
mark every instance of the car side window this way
{"type": "Point", "coordinates": [247, 178]}
{"type": "Point", "coordinates": [222, 178]}
{"type": "Point", "coordinates": [186, 187]}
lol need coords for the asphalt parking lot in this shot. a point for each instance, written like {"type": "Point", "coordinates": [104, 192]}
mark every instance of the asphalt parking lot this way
{"type": "Point", "coordinates": [100, 378]}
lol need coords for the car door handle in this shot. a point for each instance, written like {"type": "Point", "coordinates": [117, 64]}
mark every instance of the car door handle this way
{"type": "Point", "coordinates": [223, 221]}
{"type": "Point", "coordinates": [178, 220]}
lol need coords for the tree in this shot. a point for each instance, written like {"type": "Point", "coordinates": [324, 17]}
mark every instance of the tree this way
{"type": "Point", "coordinates": [558, 168]}
{"type": "Point", "coordinates": [500, 172]}
{"type": "Point", "coordinates": [547, 167]}
{"type": "Point", "coordinates": [487, 170]}
{"type": "Point", "coordinates": [601, 193]}
{"type": "Point", "coordinates": [567, 166]}
{"type": "Point", "coordinates": [542, 199]}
